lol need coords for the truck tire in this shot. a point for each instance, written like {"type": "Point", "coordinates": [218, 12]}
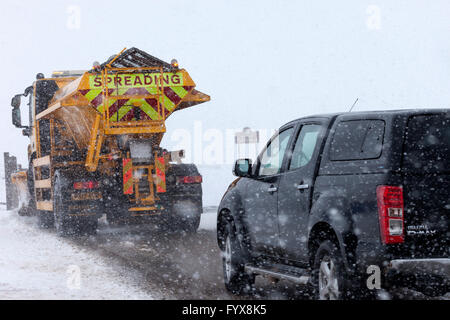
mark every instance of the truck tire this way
{"type": "Point", "coordinates": [25, 211]}
{"type": "Point", "coordinates": [62, 221]}
{"type": "Point", "coordinates": [116, 221]}
{"type": "Point", "coordinates": [185, 216]}
{"type": "Point", "coordinates": [88, 225]}
{"type": "Point", "coordinates": [45, 219]}
{"type": "Point", "coordinates": [30, 208]}
{"type": "Point", "coordinates": [184, 204]}
{"type": "Point", "coordinates": [236, 280]}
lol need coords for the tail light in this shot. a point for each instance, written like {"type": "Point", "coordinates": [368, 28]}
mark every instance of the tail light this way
{"type": "Point", "coordinates": [390, 211]}
{"type": "Point", "coordinates": [85, 185]}
{"type": "Point", "coordinates": [189, 179]}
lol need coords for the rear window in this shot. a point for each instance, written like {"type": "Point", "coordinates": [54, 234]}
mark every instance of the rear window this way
{"type": "Point", "coordinates": [427, 143]}
{"type": "Point", "coordinates": [357, 140]}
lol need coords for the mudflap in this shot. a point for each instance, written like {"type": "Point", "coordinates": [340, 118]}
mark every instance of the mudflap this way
{"type": "Point", "coordinates": [76, 211]}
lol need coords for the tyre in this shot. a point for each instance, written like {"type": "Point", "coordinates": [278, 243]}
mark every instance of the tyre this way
{"type": "Point", "coordinates": [189, 225]}
{"type": "Point", "coordinates": [329, 272]}
{"type": "Point", "coordinates": [115, 220]}
{"type": "Point", "coordinates": [185, 216]}
{"type": "Point", "coordinates": [45, 219]}
{"type": "Point", "coordinates": [237, 281]}
{"type": "Point", "coordinates": [61, 217]}
{"type": "Point", "coordinates": [184, 201]}
{"type": "Point", "coordinates": [115, 215]}
{"type": "Point", "coordinates": [330, 279]}
{"type": "Point", "coordinates": [25, 211]}
{"type": "Point", "coordinates": [88, 226]}
{"type": "Point", "coordinates": [115, 208]}
{"type": "Point", "coordinates": [30, 208]}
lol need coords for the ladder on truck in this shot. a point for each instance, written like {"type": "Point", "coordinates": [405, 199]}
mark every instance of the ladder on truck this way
{"type": "Point", "coordinates": [141, 176]}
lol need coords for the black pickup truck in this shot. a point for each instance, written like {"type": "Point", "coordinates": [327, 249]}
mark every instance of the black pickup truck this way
{"type": "Point", "coordinates": [343, 203]}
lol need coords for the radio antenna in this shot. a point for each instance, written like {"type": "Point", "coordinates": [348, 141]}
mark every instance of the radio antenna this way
{"type": "Point", "coordinates": [354, 103]}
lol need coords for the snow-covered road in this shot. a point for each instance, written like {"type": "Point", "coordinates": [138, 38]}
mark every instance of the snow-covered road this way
{"type": "Point", "coordinates": [128, 262]}
{"type": "Point", "coordinates": [35, 264]}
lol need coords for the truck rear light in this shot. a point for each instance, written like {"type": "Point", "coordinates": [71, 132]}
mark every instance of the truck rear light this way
{"type": "Point", "coordinates": [85, 185]}
{"type": "Point", "coordinates": [189, 179]}
{"type": "Point", "coordinates": [390, 211]}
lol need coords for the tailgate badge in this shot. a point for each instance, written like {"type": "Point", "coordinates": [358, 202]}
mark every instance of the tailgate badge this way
{"type": "Point", "coordinates": [420, 230]}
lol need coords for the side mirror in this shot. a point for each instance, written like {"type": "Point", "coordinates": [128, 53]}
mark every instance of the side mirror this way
{"type": "Point", "coordinates": [26, 132]}
{"type": "Point", "coordinates": [242, 168]}
{"type": "Point", "coordinates": [15, 101]}
{"type": "Point", "coordinates": [16, 118]}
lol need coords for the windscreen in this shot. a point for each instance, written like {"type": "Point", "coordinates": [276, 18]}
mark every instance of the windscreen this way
{"type": "Point", "coordinates": [427, 144]}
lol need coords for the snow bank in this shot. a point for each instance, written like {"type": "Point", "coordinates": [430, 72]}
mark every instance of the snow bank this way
{"type": "Point", "coordinates": [36, 264]}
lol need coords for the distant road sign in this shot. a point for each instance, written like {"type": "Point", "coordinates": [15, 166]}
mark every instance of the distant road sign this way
{"type": "Point", "coordinates": [247, 136]}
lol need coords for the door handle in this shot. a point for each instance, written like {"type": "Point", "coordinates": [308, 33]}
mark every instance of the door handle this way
{"type": "Point", "coordinates": [272, 189]}
{"type": "Point", "coordinates": [302, 186]}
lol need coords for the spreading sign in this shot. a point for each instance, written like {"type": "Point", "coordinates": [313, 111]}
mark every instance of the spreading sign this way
{"type": "Point", "coordinates": [138, 80]}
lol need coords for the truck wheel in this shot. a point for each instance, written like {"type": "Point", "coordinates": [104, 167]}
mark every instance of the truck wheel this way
{"type": "Point", "coordinates": [189, 225]}
{"type": "Point", "coordinates": [116, 219]}
{"type": "Point", "coordinates": [45, 219]}
{"type": "Point", "coordinates": [65, 225]}
{"type": "Point", "coordinates": [31, 207]}
{"type": "Point", "coordinates": [185, 216]}
{"type": "Point", "coordinates": [24, 211]}
{"type": "Point", "coordinates": [88, 226]}
{"type": "Point", "coordinates": [328, 273]}
{"type": "Point", "coordinates": [237, 281]}
{"type": "Point", "coordinates": [62, 220]}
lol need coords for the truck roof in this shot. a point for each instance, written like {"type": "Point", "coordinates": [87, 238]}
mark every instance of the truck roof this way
{"type": "Point", "coordinates": [375, 112]}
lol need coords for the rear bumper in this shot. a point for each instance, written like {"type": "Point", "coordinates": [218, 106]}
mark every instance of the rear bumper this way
{"type": "Point", "coordinates": [438, 267]}
{"type": "Point", "coordinates": [430, 276]}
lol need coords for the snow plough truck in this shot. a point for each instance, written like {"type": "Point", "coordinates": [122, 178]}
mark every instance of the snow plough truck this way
{"type": "Point", "coordinates": [95, 147]}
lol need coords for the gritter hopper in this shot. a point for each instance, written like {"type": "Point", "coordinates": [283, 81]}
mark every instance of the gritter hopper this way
{"type": "Point", "coordinates": [130, 95]}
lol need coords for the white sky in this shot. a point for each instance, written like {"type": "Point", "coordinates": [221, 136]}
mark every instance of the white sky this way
{"type": "Point", "coordinates": [263, 62]}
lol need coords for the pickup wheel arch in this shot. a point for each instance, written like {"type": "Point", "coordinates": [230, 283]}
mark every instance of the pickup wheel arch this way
{"type": "Point", "coordinates": [226, 216]}
{"type": "Point", "coordinates": [320, 232]}
{"type": "Point", "coordinates": [346, 243]}
{"type": "Point", "coordinates": [230, 210]}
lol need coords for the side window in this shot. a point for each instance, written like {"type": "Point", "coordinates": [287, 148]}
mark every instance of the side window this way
{"type": "Point", "coordinates": [357, 140]}
{"type": "Point", "coordinates": [373, 142]}
{"type": "Point", "coordinates": [304, 146]}
{"type": "Point", "coordinates": [272, 157]}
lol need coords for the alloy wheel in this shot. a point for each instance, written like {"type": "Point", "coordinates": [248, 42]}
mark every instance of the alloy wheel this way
{"type": "Point", "coordinates": [328, 280]}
